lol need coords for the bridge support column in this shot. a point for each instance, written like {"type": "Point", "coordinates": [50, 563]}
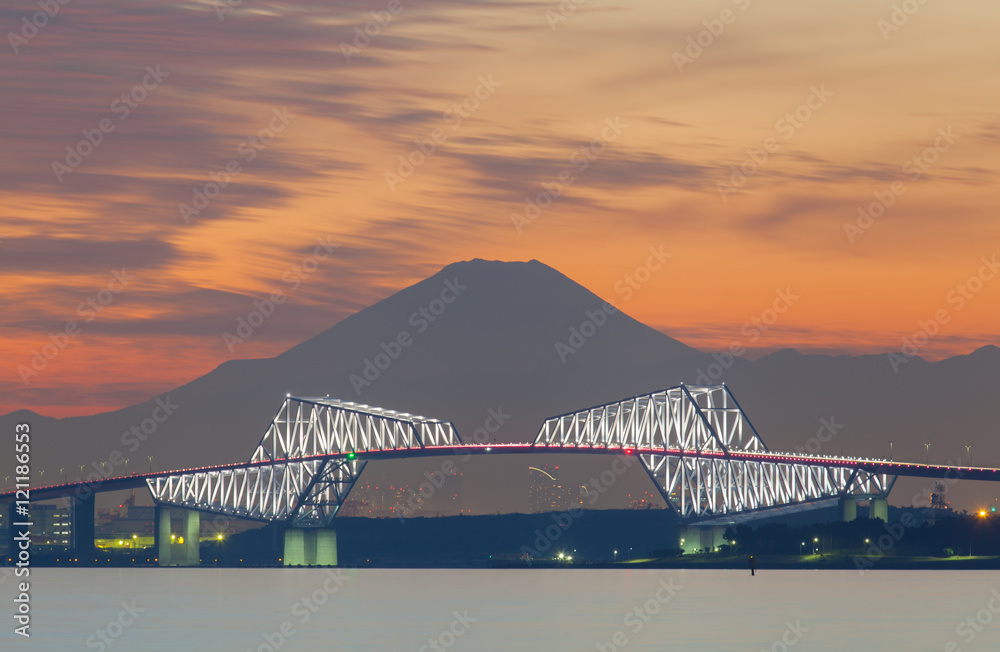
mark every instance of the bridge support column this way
{"type": "Point", "coordinates": [690, 540]}
{"type": "Point", "coordinates": [879, 508]}
{"type": "Point", "coordinates": [695, 538]}
{"type": "Point", "coordinates": [192, 538]}
{"type": "Point", "coordinates": [83, 525]}
{"type": "Point", "coordinates": [849, 508]}
{"type": "Point", "coordinates": [310, 547]}
{"type": "Point", "coordinates": [326, 547]}
{"type": "Point", "coordinates": [163, 536]}
{"type": "Point", "coordinates": [713, 537]}
{"type": "Point", "coordinates": [295, 548]}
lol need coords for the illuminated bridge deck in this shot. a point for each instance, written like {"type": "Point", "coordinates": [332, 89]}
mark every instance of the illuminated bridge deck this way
{"type": "Point", "coordinates": [888, 467]}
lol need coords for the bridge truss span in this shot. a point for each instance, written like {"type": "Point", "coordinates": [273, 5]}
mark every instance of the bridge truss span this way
{"type": "Point", "coordinates": [686, 417]}
{"type": "Point", "coordinates": [701, 487]}
{"type": "Point", "coordinates": [317, 426]}
{"type": "Point", "coordinates": [713, 461]}
{"type": "Point", "coordinates": [305, 464]}
{"type": "Point", "coordinates": [694, 441]}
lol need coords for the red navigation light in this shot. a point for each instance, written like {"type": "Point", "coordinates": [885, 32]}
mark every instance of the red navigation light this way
{"type": "Point", "coordinates": [628, 451]}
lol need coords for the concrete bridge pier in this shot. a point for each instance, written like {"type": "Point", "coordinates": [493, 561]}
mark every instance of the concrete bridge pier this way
{"type": "Point", "coordinates": [849, 508]}
{"type": "Point", "coordinates": [163, 536]}
{"type": "Point", "coordinates": [192, 538]}
{"type": "Point", "coordinates": [314, 547]}
{"type": "Point", "coordinates": [699, 537]}
{"type": "Point", "coordinates": [879, 508]}
{"type": "Point", "coordinates": [182, 551]}
{"type": "Point", "coordinates": [82, 518]}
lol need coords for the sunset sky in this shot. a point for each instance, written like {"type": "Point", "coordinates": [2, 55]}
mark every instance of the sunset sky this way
{"type": "Point", "coordinates": [826, 107]}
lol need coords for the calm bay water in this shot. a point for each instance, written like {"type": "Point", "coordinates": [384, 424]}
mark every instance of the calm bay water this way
{"type": "Point", "coordinates": [586, 610]}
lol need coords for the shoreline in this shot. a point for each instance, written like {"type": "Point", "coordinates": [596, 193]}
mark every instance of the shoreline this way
{"type": "Point", "coordinates": [765, 563]}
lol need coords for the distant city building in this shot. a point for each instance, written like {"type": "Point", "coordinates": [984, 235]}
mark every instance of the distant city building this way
{"type": "Point", "coordinates": [127, 522]}
{"type": "Point", "coordinates": [380, 499]}
{"type": "Point", "coordinates": [546, 493]}
{"type": "Point", "coordinates": [447, 500]}
{"type": "Point", "coordinates": [939, 503]}
{"type": "Point", "coordinates": [938, 498]}
{"type": "Point", "coordinates": [52, 525]}
{"type": "Point", "coordinates": [645, 500]}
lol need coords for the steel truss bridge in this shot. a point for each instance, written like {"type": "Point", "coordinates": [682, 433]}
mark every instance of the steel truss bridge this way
{"type": "Point", "coordinates": [694, 441]}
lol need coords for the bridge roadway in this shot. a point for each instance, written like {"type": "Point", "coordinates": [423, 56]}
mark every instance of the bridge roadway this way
{"type": "Point", "coordinates": [909, 469]}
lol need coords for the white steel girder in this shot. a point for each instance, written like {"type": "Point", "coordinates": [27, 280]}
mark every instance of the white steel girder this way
{"type": "Point", "coordinates": [686, 417]}
{"type": "Point", "coordinates": [691, 440]}
{"type": "Point", "coordinates": [698, 428]}
{"type": "Point", "coordinates": [278, 485]}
